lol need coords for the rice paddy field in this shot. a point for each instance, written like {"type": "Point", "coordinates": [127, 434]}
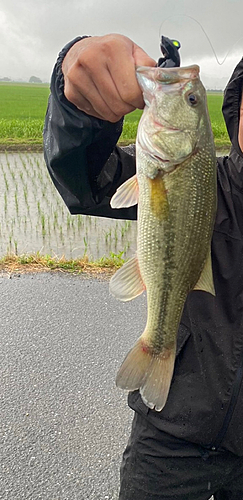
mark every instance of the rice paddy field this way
{"type": "Point", "coordinates": [23, 107]}
{"type": "Point", "coordinates": [33, 217]}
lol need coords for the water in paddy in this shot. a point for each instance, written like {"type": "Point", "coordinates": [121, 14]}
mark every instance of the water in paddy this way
{"type": "Point", "coordinates": [34, 218]}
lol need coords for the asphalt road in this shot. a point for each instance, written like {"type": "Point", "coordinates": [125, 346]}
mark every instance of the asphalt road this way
{"type": "Point", "coordinates": [63, 423]}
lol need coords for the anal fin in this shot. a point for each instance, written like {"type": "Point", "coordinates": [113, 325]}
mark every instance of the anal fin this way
{"type": "Point", "coordinates": [205, 281]}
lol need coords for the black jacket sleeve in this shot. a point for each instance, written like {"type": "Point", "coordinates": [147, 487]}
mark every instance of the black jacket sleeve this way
{"type": "Point", "coordinates": [231, 112]}
{"type": "Point", "coordinates": [231, 104]}
{"type": "Point", "coordinates": [81, 154]}
{"type": "Point", "coordinates": [230, 168]}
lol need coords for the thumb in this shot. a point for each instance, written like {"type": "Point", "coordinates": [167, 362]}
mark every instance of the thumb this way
{"type": "Point", "coordinates": [141, 58]}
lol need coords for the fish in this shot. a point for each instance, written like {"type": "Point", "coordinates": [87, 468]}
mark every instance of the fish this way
{"type": "Point", "coordinates": [175, 189]}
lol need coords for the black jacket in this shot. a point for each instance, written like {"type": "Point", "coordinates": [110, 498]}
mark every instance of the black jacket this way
{"type": "Point", "coordinates": [205, 403]}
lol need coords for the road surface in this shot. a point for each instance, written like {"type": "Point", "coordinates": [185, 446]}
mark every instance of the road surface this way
{"type": "Point", "coordinates": [64, 424]}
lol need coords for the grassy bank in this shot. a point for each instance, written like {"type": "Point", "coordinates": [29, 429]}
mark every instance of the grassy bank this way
{"type": "Point", "coordinates": [35, 263]}
{"type": "Point", "coordinates": [23, 108]}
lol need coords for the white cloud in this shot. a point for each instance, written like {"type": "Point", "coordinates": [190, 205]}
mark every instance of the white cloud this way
{"type": "Point", "coordinates": [32, 33]}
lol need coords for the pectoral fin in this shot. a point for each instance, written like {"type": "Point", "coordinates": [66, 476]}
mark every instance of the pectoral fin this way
{"type": "Point", "coordinates": [127, 283]}
{"type": "Point", "coordinates": [205, 281]}
{"type": "Point", "coordinates": [126, 195]}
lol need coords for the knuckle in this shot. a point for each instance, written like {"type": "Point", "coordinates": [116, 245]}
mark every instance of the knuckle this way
{"type": "Point", "coordinates": [68, 92]}
{"type": "Point", "coordinates": [110, 44]}
{"type": "Point", "coordinates": [129, 95]}
{"type": "Point", "coordinates": [119, 109]}
{"type": "Point", "coordinates": [112, 117]}
{"type": "Point", "coordinates": [85, 59]}
{"type": "Point", "coordinates": [72, 96]}
{"type": "Point", "coordinates": [70, 75]}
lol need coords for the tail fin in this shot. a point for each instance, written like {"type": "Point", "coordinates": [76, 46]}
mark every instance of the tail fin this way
{"type": "Point", "coordinates": [149, 372]}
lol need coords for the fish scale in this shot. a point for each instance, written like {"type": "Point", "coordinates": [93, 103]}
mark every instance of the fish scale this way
{"type": "Point", "coordinates": [175, 187]}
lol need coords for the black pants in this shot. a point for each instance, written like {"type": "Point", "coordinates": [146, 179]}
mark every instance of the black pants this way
{"type": "Point", "coordinates": [159, 467]}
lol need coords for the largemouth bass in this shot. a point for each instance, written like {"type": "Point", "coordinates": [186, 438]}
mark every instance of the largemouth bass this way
{"type": "Point", "coordinates": [175, 188]}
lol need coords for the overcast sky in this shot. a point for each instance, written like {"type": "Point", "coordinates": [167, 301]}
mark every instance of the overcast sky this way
{"type": "Point", "coordinates": [33, 32]}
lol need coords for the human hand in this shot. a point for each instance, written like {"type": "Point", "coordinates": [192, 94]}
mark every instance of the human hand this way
{"type": "Point", "coordinates": [99, 76]}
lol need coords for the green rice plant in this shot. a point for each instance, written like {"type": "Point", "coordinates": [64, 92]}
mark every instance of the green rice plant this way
{"type": "Point", "coordinates": [115, 236]}
{"type": "Point", "coordinates": [220, 132]}
{"type": "Point", "coordinates": [129, 132]}
{"type": "Point", "coordinates": [80, 221]}
{"type": "Point", "coordinates": [55, 219]}
{"type": "Point", "coordinates": [12, 173]}
{"type": "Point", "coordinates": [7, 160]}
{"type": "Point", "coordinates": [61, 233]}
{"type": "Point", "coordinates": [16, 202]}
{"type": "Point", "coordinates": [85, 245]}
{"type": "Point", "coordinates": [21, 129]}
{"type": "Point", "coordinates": [68, 221]}
{"type": "Point", "coordinates": [116, 259]}
{"type": "Point", "coordinates": [125, 228]}
{"type": "Point", "coordinates": [108, 236]}
{"type": "Point", "coordinates": [25, 195]}
{"type": "Point", "coordinates": [23, 101]}
{"type": "Point", "coordinates": [23, 108]}
{"type": "Point", "coordinates": [6, 181]}
{"type": "Point", "coordinates": [5, 202]}
{"type": "Point", "coordinates": [23, 162]}
{"type": "Point", "coordinates": [43, 224]}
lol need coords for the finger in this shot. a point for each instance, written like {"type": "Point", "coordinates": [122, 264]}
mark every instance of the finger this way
{"type": "Point", "coordinates": [141, 58]}
{"type": "Point", "coordinates": [110, 96]}
{"type": "Point", "coordinates": [85, 95]}
{"type": "Point", "coordinates": [113, 72]}
{"type": "Point", "coordinates": [123, 73]}
{"type": "Point", "coordinates": [102, 81]}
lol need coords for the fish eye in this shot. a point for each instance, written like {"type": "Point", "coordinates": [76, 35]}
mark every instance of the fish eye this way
{"type": "Point", "coordinates": [192, 99]}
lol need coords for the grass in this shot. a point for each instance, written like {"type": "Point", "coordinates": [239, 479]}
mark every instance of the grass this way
{"type": "Point", "coordinates": [23, 101]}
{"type": "Point", "coordinates": [22, 113]}
{"type": "Point", "coordinates": [215, 101]}
{"type": "Point", "coordinates": [34, 263]}
{"type": "Point", "coordinates": [23, 107]}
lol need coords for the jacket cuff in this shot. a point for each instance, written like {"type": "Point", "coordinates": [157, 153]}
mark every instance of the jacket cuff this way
{"type": "Point", "coordinates": [68, 46]}
{"type": "Point", "coordinates": [57, 80]}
